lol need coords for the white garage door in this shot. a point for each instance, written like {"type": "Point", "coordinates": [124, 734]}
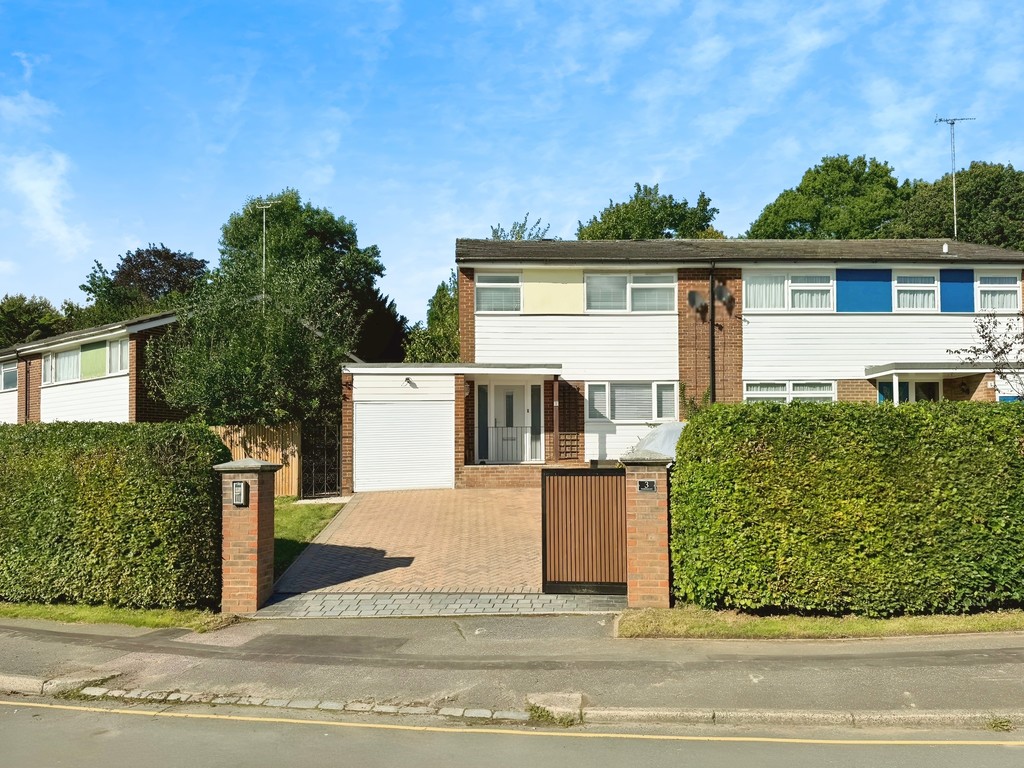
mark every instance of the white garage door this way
{"type": "Point", "coordinates": [400, 445]}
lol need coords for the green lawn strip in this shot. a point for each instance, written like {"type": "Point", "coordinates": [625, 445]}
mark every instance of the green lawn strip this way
{"type": "Point", "coordinates": [691, 622]}
{"type": "Point", "coordinates": [199, 621]}
{"type": "Point", "coordinates": [295, 525]}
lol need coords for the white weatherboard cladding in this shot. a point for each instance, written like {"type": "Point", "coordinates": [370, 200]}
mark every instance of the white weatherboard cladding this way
{"type": "Point", "coordinates": [617, 347]}
{"type": "Point", "coordinates": [103, 399]}
{"type": "Point", "coordinates": [605, 440]}
{"type": "Point", "coordinates": [9, 407]}
{"type": "Point", "coordinates": [404, 387]}
{"type": "Point", "coordinates": [838, 346]}
{"type": "Point", "coordinates": [403, 442]}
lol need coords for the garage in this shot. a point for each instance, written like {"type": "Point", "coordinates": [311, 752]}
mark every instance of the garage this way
{"type": "Point", "coordinates": [403, 430]}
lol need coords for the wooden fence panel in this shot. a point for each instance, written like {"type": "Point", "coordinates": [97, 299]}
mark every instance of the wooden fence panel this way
{"type": "Point", "coordinates": [584, 530]}
{"type": "Point", "coordinates": [279, 445]}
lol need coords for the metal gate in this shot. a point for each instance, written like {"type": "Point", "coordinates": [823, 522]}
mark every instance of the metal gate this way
{"type": "Point", "coordinates": [583, 513]}
{"type": "Point", "coordinates": [320, 459]}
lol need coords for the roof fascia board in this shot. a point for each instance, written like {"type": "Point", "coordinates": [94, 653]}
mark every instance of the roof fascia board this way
{"type": "Point", "coordinates": [156, 322]}
{"type": "Point", "coordinates": [610, 264]}
{"type": "Point", "coordinates": [385, 369]}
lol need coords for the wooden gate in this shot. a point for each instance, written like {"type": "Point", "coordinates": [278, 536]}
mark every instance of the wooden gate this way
{"type": "Point", "coordinates": [583, 513]}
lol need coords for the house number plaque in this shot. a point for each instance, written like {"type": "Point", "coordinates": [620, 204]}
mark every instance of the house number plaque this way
{"type": "Point", "coordinates": [646, 486]}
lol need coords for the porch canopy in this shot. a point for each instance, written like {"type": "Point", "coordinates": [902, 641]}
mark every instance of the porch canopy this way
{"type": "Point", "coordinates": [923, 380]}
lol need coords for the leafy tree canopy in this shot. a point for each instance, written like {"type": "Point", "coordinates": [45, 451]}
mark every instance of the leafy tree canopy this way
{"type": "Point", "coordinates": [438, 340]}
{"type": "Point", "coordinates": [649, 215]}
{"type": "Point", "coordinates": [146, 280]}
{"type": "Point", "coordinates": [28, 318]}
{"type": "Point", "coordinates": [838, 199]}
{"type": "Point", "coordinates": [990, 207]}
{"type": "Point", "coordinates": [253, 347]}
{"type": "Point", "coordinates": [521, 230]}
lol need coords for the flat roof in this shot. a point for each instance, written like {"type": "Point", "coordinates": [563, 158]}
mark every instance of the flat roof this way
{"type": "Point", "coordinates": [949, 366]}
{"type": "Point", "coordinates": [474, 251]}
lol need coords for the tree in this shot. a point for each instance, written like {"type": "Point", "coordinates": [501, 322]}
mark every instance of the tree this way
{"type": "Point", "coordinates": [438, 340]}
{"type": "Point", "coordinates": [255, 347]}
{"type": "Point", "coordinates": [28, 318]}
{"type": "Point", "coordinates": [839, 199]}
{"type": "Point", "coordinates": [145, 281]}
{"type": "Point", "coordinates": [384, 329]}
{"type": "Point", "coordinates": [1000, 343]}
{"type": "Point", "coordinates": [520, 231]}
{"type": "Point", "coordinates": [990, 207]}
{"type": "Point", "coordinates": [649, 215]}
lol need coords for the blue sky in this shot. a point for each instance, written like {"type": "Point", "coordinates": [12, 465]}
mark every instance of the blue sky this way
{"type": "Point", "coordinates": [123, 123]}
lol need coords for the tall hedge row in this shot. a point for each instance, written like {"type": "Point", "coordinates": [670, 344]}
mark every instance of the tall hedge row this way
{"type": "Point", "coordinates": [844, 508]}
{"type": "Point", "coordinates": [116, 514]}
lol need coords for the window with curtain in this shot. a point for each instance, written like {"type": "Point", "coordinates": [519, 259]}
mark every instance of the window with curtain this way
{"type": "Point", "coordinates": [117, 353]}
{"type": "Point", "coordinates": [764, 292]}
{"type": "Point", "coordinates": [917, 292]}
{"type": "Point", "coordinates": [775, 392]}
{"type": "Point", "coordinates": [813, 391]}
{"type": "Point", "coordinates": [998, 293]}
{"type": "Point", "coordinates": [789, 391]}
{"type": "Point", "coordinates": [498, 293]}
{"type": "Point", "coordinates": [62, 366]}
{"type": "Point", "coordinates": [606, 293]}
{"type": "Point", "coordinates": [810, 292]}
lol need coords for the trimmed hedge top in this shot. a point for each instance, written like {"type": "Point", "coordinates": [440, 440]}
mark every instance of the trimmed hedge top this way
{"type": "Point", "coordinates": [840, 508]}
{"type": "Point", "coordinates": [116, 514]}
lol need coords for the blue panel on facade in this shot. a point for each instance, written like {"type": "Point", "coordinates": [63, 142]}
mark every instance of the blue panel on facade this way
{"type": "Point", "coordinates": [956, 290]}
{"type": "Point", "coordinates": [864, 290]}
{"type": "Point", "coordinates": [1009, 399]}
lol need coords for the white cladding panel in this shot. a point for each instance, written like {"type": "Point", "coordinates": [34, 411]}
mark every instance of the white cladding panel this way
{"type": "Point", "coordinates": [839, 346]}
{"type": "Point", "coordinates": [605, 440]}
{"type": "Point", "coordinates": [103, 399]}
{"type": "Point", "coordinates": [9, 407]}
{"type": "Point", "coordinates": [403, 444]}
{"type": "Point", "coordinates": [405, 387]}
{"type": "Point", "coordinates": [618, 347]}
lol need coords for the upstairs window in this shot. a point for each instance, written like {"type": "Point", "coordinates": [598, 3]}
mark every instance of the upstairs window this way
{"type": "Point", "coordinates": [797, 291]}
{"type": "Point", "coordinates": [916, 293]}
{"type": "Point", "coordinates": [8, 376]}
{"type": "Point", "coordinates": [998, 293]}
{"type": "Point", "coordinates": [810, 292]}
{"type": "Point", "coordinates": [117, 356]}
{"type": "Point", "coordinates": [631, 293]}
{"type": "Point", "coordinates": [498, 293]}
{"type": "Point", "coordinates": [61, 366]}
{"type": "Point", "coordinates": [90, 361]}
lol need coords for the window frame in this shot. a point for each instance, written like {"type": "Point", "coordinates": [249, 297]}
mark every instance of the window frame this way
{"type": "Point", "coordinates": [934, 287]}
{"type": "Point", "coordinates": [788, 391]}
{"type": "Point", "coordinates": [480, 282]}
{"type": "Point", "coordinates": [11, 365]}
{"type": "Point", "coordinates": [671, 281]}
{"type": "Point", "coordinates": [980, 290]}
{"type": "Point", "coordinates": [608, 416]}
{"type": "Point", "coordinates": [49, 363]}
{"type": "Point", "coordinates": [789, 287]}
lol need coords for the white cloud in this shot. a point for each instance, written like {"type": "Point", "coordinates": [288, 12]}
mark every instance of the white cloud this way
{"type": "Point", "coordinates": [25, 111]}
{"type": "Point", "coordinates": [39, 181]}
{"type": "Point", "coordinates": [7, 267]}
{"type": "Point", "coordinates": [29, 63]}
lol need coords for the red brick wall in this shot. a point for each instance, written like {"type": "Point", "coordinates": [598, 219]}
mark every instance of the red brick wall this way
{"type": "Point", "coordinates": [469, 423]}
{"type": "Point", "coordinates": [503, 475]}
{"type": "Point", "coordinates": [460, 422]}
{"type": "Point", "coordinates": [971, 388]}
{"type": "Point", "coordinates": [694, 368]}
{"type": "Point", "coordinates": [247, 546]}
{"type": "Point", "coordinates": [346, 434]}
{"type": "Point", "coordinates": [856, 391]}
{"type": "Point", "coordinates": [30, 379]}
{"type": "Point", "coordinates": [143, 403]}
{"type": "Point", "coordinates": [647, 570]}
{"type": "Point", "coordinates": [467, 316]}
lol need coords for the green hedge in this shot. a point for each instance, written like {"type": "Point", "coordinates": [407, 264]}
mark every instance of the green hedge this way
{"type": "Point", "coordinates": [844, 508]}
{"type": "Point", "coordinates": [116, 514]}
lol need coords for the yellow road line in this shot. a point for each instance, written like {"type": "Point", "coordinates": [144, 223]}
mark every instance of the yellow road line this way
{"type": "Point", "coordinates": [515, 732]}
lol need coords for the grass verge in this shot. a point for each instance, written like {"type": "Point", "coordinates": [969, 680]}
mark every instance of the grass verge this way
{"type": "Point", "coordinates": [691, 622]}
{"type": "Point", "coordinates": [199, 621]}
{"type": "Point", "coordinates": [295, 525]}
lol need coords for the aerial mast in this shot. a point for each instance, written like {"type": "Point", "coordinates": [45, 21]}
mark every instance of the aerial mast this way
{"type": "Point", "coordinates": [951, 122]}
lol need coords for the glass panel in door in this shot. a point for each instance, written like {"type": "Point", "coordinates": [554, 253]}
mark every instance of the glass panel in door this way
{"type": "Point", "coordinates": [508, 435]}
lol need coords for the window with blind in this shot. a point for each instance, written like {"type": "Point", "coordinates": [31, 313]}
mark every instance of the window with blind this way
{"type": "Point", "coordinates": [498, 293]}
{"type": "Point", "coordinates": [631, 293]}
{"type": "Point", "coordinates": [631, 401]}
{"type": "Point", "coordinates": [797, 291]}
{"type": "Point", "coordinates": [998, 293]}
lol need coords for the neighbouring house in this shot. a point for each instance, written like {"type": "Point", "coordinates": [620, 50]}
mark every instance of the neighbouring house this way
{"type": "Point", "coordinates": [571, 351]}
{"type": "Point", "coordinates": [88, 375]}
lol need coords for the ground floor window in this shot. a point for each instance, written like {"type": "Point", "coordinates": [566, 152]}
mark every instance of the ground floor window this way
{"type": "Point", "coordinates": [632, 401]}
{"type": "Point", "coordinates": [790, 391]}
{"type": "Point", "coordinates": [911, 391]}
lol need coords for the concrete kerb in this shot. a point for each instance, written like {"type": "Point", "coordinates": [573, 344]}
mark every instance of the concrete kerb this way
{"type": "Point", "coordinates": [559, 705]}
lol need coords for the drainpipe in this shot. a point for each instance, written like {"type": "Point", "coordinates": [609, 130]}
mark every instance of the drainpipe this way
{"type": "Point", "coordinates": [711, 331]}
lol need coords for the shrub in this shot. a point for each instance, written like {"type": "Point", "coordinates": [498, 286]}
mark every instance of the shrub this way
{"type": "Point", "coordinates": [842, 508]}
{"type": "Point", "coordinates": [117, 514]}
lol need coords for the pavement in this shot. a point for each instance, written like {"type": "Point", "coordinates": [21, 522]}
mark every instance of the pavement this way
{"type": "Point", "coordinates": [496, 667]}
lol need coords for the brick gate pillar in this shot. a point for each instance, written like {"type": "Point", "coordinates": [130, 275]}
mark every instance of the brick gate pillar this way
{"type": "Point", "coordinates": [647, 526]}
{"type": "Point", "coordinates": [247, 551]}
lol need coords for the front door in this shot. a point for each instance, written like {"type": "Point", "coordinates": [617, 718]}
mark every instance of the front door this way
{"type": "Point", "coordinates": [508, 434]}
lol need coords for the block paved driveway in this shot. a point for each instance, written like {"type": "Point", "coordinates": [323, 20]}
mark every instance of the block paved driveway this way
{"type": "Point", "coordinates": [450, 541]}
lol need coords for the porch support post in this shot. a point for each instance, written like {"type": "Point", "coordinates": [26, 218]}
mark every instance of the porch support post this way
{"type": "Point", "coordinates": [895, 389]}
{"type": "Point", "coordinates": [647, 533]}
{"type": "Point", "coordinates": [555, 385]}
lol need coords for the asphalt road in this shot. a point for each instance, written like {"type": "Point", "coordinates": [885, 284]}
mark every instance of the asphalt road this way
{"type": "Point", "coordinates": [38, 733]}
